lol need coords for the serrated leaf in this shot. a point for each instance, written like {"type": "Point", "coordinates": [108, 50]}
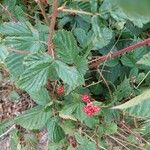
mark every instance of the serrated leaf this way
{"type": "Point", "coordinates": [108, 9]}
{"type": "Point", "coordinates": [85, 144]}
{"type": "Point", "coordinates": [14, 63]}
{"type": "Point", "coordinates": [140, 110]}
{"type": "Point", "coordinates": [21, 36]}
{"type": "Point", "coordinates": [69, 75]}
{"type": "Point", "coordinates": [128, 60]}
{"type": "Point", "coordinates": [55, 131]}
{"type": "Point", "coordinates": [135, 101]}
{"type": "Point", "coordinates": [145, 60]}
{"type": "Point", "coordinates": [35, 118]}
{"type": "Point", "coordinates": [83, 38]}
{"type": "Point", "coordinates": [67, 111]}
{"type": "Point", "coordinates": [111, 128]}
{"type": "Point", "coordinates": [123, 90]}
{"type": "Point", "coordinates": [79, 114]}
{"type": "Point", "coordinates": [102, 35]}
{"type": "Point", "coordinates": [66, 46]}
{"type": "Point", "coordinates": [41, 97]}
{"type": "Point", "coordinates": [37, 58]}
{"type": "Point", "coordinates": [3, 53]}
{"type": "Point", "coordinates": [36, 75]}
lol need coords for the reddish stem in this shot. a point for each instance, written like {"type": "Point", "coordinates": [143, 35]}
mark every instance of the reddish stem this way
{"type": "Point", "coordinates": [52, 27]}
{"type": "Point", "coordinates": [95, 63]}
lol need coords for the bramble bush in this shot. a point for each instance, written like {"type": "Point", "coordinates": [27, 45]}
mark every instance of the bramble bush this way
{"type": "Point", "coordinates": [81, 62]}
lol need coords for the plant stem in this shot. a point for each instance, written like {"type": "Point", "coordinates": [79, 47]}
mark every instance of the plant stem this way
{"type": "Point", "coordinates": [8, 131]}
{"type": "Point", "coordinates": [62, 9]}
{"type": "Point", "coordinates": [23, 52]}
{"type": "Point", "coordinates": [43, 12]}
{"type": "Point", "coordinates": [96, 62]}
{"type": "Point", "coordinates": [52, 27]}
{"type": "Point", "coordinates": [8, 12]}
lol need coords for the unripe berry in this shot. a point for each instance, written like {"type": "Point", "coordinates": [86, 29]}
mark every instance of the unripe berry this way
{"type": "Point", "coordinates": [60, 90]}
{"type": "Point", "coordinates": [85, 98]}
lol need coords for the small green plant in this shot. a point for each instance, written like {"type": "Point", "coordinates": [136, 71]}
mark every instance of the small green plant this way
{"type": "Point", "coordinates": [79, 61]}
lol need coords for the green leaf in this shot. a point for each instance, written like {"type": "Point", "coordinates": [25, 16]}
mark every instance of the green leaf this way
{"type": "Point", "coordinates": [35, 118]}
{"type": "Point", "coordinates": [69, 75]}
{"type": "Point", "coordinates": [66, 46]}
{"type": "Point", "coordinates": [140, 7]}
{"type": "Point", "coordinates": [135, 101]}
{"type": "Point", "coordinates": [140, 110]}
{"type": "Point", "coordinates": [85, 144]}
{"type": "Point", "coordinates": [3, 53]}
{"type": "Point", "coordinates": [14, 63]}
{"type": "Point", "coordinates": [55, 131]}
{"type": "Point", "coordinates": [21, 36]}
{"type": "Point", "coordinates": [41, 97]}
{"type": "Point", "coordinates": [128, 60]}
{"type": "Point", "coordinates": [14, 139]}
{"type": "Point", "coordinates": [83, 38]}
{"type": "Point", "coordinates": [102, 35]}
{"type": "Point", "coordinates": [14, 96]}
{"type": "Point", "coordinates": [109, 9]}
{"type": "Point", "coordinates": [79, 114]}
{"type": "Point", "coordinates": [145, 60]}
{"type": "Point", "coordinates": [36, 75]}
{"type": "Point", "coordinates": [123, 90]}
{"type": "Point", "coordinates": [111, 128]}
{"type": "Point", "coordinates": [37, 58]}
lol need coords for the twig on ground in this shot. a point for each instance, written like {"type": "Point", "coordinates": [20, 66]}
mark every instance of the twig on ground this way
{"type": "Point", "coordinates": [115, 139]}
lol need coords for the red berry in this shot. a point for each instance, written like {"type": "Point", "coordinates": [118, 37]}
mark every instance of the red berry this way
{"type": "Point", "coordinates": [90, 109]}
{"type": "Point", "coordinates": [85, 98]}
{"type": "Point", "coordinates": [74, 144]}
{"type": "Point", "coordinates": [60, 90]}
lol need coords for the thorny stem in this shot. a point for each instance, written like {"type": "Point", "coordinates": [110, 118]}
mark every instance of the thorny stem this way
{"type": "Point", "coordinates": [96, 62]}
{"type": "Point", "coordinates": [43, 12]}
{"type": "Point", "coordinates": [52, 27]}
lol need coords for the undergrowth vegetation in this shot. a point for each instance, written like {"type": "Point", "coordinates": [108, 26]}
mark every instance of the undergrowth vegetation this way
{"type": "Point", "coordinates": [86, 66]}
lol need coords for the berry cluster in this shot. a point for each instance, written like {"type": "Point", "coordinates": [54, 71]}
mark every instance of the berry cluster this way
{"type": "Point", "coordinates": [85, 98]}
{"type": "Point", "coordinates": [90, 109]}
{"type": "Point", "coordinates": [60, 90]}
